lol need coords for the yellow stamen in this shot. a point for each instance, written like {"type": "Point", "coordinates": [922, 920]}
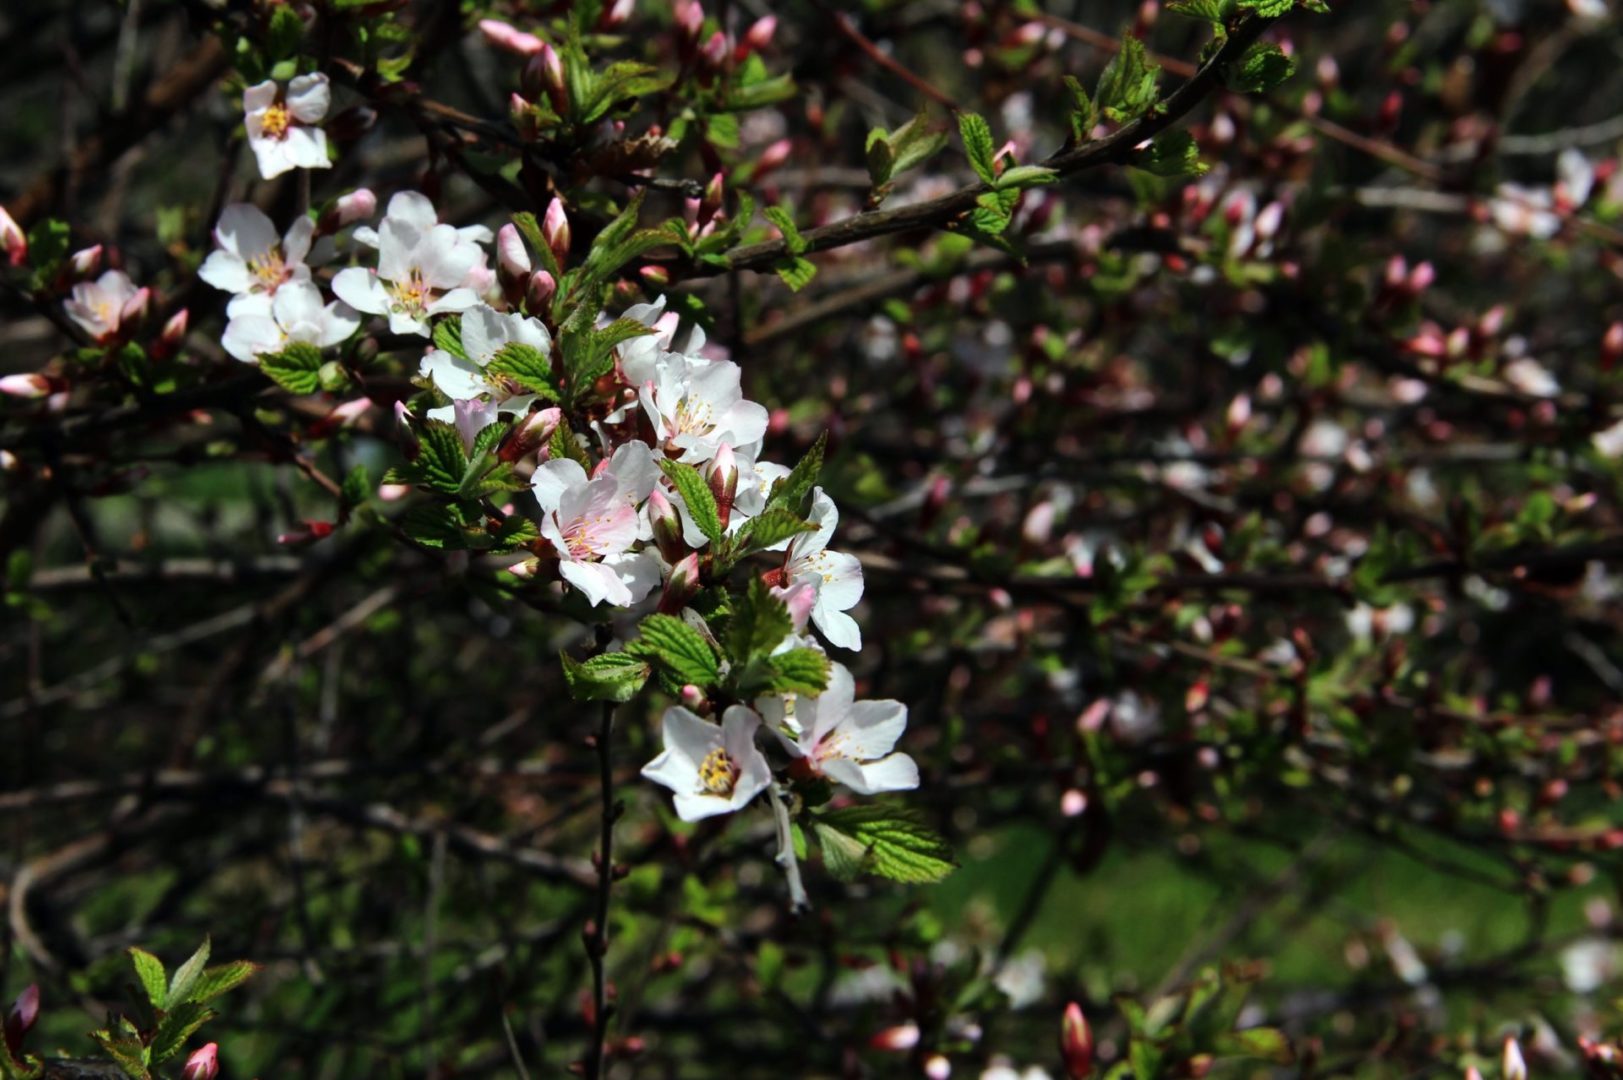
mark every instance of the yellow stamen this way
{"type": "Point", "coordinates": [718, 772]}
{"type": "Point", "coordinates": [276, 121]}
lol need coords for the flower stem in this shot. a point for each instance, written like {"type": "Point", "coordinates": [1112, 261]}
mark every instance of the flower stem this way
{"type": "Point", "coordinates": [798, 900]}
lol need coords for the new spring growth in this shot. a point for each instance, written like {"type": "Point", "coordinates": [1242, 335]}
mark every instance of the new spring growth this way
{"type": "Point", "coordinates": [544, 74]}
{"type": "Point", "coordinates": [204, 1064]}
{"type": "Point", "coordinates": [1076, 1043]}
{"type": "Point", "coordinates": [722, 476]}
{"type": "Point", "coordinates": [528, 435]}
{"type": "Point", "coordinates": [539, 292]}
{"type": "Point", "coordinates": [512, 264]}
{"type": "Point", "coordinates": [682, 586]}
{"type": "Point", "coordinates": [21, 1018]}
{"type": "Point", "coordinates": [555, 230]}
{"type": "Point", "coordinates": [667, 526]}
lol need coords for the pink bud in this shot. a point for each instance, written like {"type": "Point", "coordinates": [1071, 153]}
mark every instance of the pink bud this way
{"type": "Point", "coordinates": [528, 435]}
{"type": "Point", "coordinates": [204, 1063]}
{"type": "Point", "coordinates": [308, 533]}
{"type": "Point", "coordinates": [21, 1019]}
{"type": "Point", "coordinates": [657, 276]}
{"type": "Point", "coordinates": [723, 478]}
{"type": "Point", "coordinates": [358, 205]}
{"type": "Point", "coordinates": [540, 291]}
{"type": "Point", "coordinates": [135, 308]}
{"type": "Point", "coordinates": [1611, 345]}
{"type": "Point", "coordinates": [1239, 413]}
{"type": "Point", "coordinates": [1039, 523]}
{"type": "Point", "coordinates": [616, 14]}
{"type": "Point", "coordinates": [759, 35]}
{"type": "Point", "coordinates": [1073, 803]}
{"type": "Point", "coordinates": [1513, 1067]}
{"type": "Point", "coordinates": [898, 1038]}
{"type": "Point", "coordinates": [693, 698]}
{"type": "Point", "coordinates": [689, 21]}
{"type": "Point", "coordinates": [512, 258]}
{"type": "Point", "coordinates": [506, 37]}
{"type": "Point", "coordinates": [174, 329]}
{"type": "Point", "coordinates": [714, 53]}
{"type": "Point", "coordinates": [1397, 271]}
{"type": "Point", "coordinates": [682, 585]}
{"type": "Point", "coordinates": [667, 527]}
{"type": "Point", "coordinates": [12, 239]}
{"type": "Point", "coordinates": [86, 261]}
{"type": "Point", "coordinates": [1076, 1043]}
{"type": "Point", "coordinates": [555, 229]}
{"type": "Point", "coordinates": [28, 386]}
{"type": "Point", "coordinates": [544, 74]}
{"type": "Point", "coordinates": [773, 156]}
{"type": "Point", "coordinates": [522, 113]}
{"type": "Point", "coordinates": [715, 194]}
{"type": "Point", "coordinates": [1421, 278]}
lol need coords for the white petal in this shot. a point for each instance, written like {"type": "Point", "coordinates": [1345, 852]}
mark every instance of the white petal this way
{"type": "Point", "coordinates": [596, 582]}
{"type": "Point", "coordinates": [226, 270]}
{"type": "Point", "coordinates": [247, 337]}
{"type": "Point", "coordinates": [455, 378]}
{"type": "Point", "coordinates": [259, 97]}
{"type": "Point", "coordinates": [243, 229]}
{"type": "Point", "coordinates": [898, 772]}
{"type": "Point", "coordinates": [306, 147]}
{"type": "Point", "coordinates": [296, 243]}
{"type": "Point", "coordinates": [840, 629]}
{"type": "Point", "coordinates": [413, 208]}
{"type": "Point", "coordinates": [309, 97]}
{"type": "Point", "coordinates": [360, 289]}
{"type": "Point", "coordinates": [639, 573]}
{"type": "Point", "coordinates": [269, 156]}
{"type": "Point", "coordinates": [338, 321]}
{"type": "Point", "coordinates": [871, 729]}
{"type": "Point", "coordinates": [484, 332]}
{"type": "Point", "coordinates": [553, 478]}
{"type": "Point", "coordinates": [454, 301]}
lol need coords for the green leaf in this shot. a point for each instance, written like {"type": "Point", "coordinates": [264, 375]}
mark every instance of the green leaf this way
{"type": "Point", "coordinates": [285, 33]}
{"type": "Point", "coordinates": [176, 1027]}
{"type": "Point", "coordinates": [1215, 12]}
{"type": "Point", "coordinates": [1026, 176]}
{"type": "Point", "coordinates": [448, 336]}
{"type": "Point", "coordinates": [977, 136]}
{"type": "Point", "coordinates": [1268, 9]}
{"type": "Point", "coordinates": [845, 856]}
{"type": "Point", "coordinates": [681, 652]}
{"type": "Point", "coordinates": [1172, 153]}
{"type": "Point", "coordinates": [221, 979]}
{"type": "Point", "coordinates": [794, 671]}
{"type": "Point", "coordinates": [149, 969]}
{"type": "Point", "coordinates": [531, 228]}
{"type": "Point", "coordinates": [1263, 67]}
{"type": "Point", "coordinates": [1269, 1044]}
{"type": "Point", "coordinates": [764, 530]}
{"type": "Point", "coordinates": [606, 677]}
{"type": "Point", "coordinates": [881, 158]}
{"type": "Point", "coordinates": [187, 975]}
{"type": "Point", "coordinates": [789, 492]}
{"type": "Point", "coordinates": [528, 367]}
{"type": "Point", "coordinates": [441, 464]}
{"type": "Point", "coordinates": [792, 240]}
{"type": "Point", "coordinates": [796, 272]}
{"type": "Point", "coordinates": [758, 626]}
{"type": "Point", "coordinates": [48, 244]}
{"type": "Point", "coordinates": [915, 143]}
{"type": "Point", "coordinates": [127, 1052]}
{"type": "Point", "coordinates": [1127, 86]}
{"type": "Point", "coordinates": [589, 352]}
{"type": "Point", "coordinates": [897, 845]}
{"type": "Point", "coordinates": [696, 495]}
{"type": "Point", "coordinates": [296, 368]}
{"type": "Point", "coordinates": [564, 445]}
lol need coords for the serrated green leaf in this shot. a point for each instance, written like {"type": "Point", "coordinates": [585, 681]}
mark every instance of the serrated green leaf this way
{"type": "Point", "coordinates": [448, 336]}
{"type": "Point", "coordinates": [792, 240]}
{"type": "Point", "coordinates": [563, 444]}
{"type": "Point", "coordinates": [789, 492]}
{"type": "Point", "coordinates": [607, 677]}
{"type": "Point", "coordinates": [897, 844]}
{"type": "Point", "coordinates": [978, 146]}
{"type": "Point", "coordinates": [221, 979]}
{"type": "Point", "coordinates": [764, 530]}
{"type": "Point", "coordinates": [176, 1027]}
{"type": "Point", "coordinates": [1127, 86]}
{"type": "Point", "coordinates": [1083, 113]}
{"type": "Point", "coordinates": [297, 367]}
{"type": "Point", "coordinates": [1215, 12]}
{"type": "Point", "coordinates": [843, 855]}
{"type": "Point", "coordinates": [441, 463]}
{"type": "Point", "coordinates": [1263, 67]}
{"type": "Point", "coordinates": [127, 1052]}
{"type": "Point", "coordinates": [794, 671]}
{"type": "Point", "coordinates": [681, 653]}
{"type": "Point", "coordinates": [1268, 9]}
{"type": "Point", "coordinates": [915, 143]}
{"type": "Point", "coordinates": [1268, 1044]}
{"type": "Point", "coordinates": [187, 975]}
{"type": "Point", "coordinates": [527, 367]}
{"type": "Point", "coordinates": [1026, 176]}
{"type": "Point", "coordinates": [696, 495]}
{"type": "Point", "coordinates": [796, 272]}
{"type": "Point", "coordinates": [1172, 153]}
{"type": "Point", "coordinates": [154, 980]}
{"type": "Point", "coordinates": [758, 625]}
{"type": "Point", "coordinates": [880, 157]}
{"type": "Point", "coordinates": [531, 228]}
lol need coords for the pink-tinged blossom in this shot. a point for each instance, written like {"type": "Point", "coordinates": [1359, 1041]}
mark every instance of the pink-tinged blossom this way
{"type": "Point", "coordinates": [710, 769]}
{"type": "Point", "coordinates": [485, 333]}
{"type": "Point", "coordinates": [251, 259]}
{"type": "Point", "coordinates": [835, 575]}
{"type": "Point", "coordinates": [1513, 1066]}
{"type": "Point", "coordinates": [592, 524]}
{"type": "Point", "coordinates": [422, 270]}
{"type": "Point", "coordinates": [509, 38]}
{"type": "Point", "coordinates": [28, 386]}
{"type": "Point", "coordinates": [100, 307]}
{"type": "Point", "coordinates": [12, 239]}
{"type": "Point", "coordinates": [281, 124]}
{"type": "Point", "coordinates": [850, 742]}
{"type": "Point", "coordinates": [86, 261]}
{"type": "Point", "coordinates": [1525, 211]}
{"type": "Point", "coordinates": [696, 405]}
{"type": "Point", "coordinates": [297, 313]}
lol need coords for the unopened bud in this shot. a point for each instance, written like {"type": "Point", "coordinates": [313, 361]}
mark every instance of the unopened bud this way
{"type": "Point", "coordinates": [85, 262]}
{"type": "Point", "coordinates": [539, 293]}
{"type": "Point", "coordinates": [528, 435]}
{"type": "Point", "coordinates": [28, 386]}
{"type": "Point", "coordinates": [308, 533]}
{"type": "Point", "coordinates": [689, 22]}
{"type": "Point", "coordinates": [723, 479]}
{"type": "Point", "coordinates": [1076, 1043]}
{"type": "Point", "coordinates": [555, 230]}
{"type": "Point", "coordinates": [204, 1064]}
{"type": "Point", "coordinates": [510, 39]}
{"type": "Point", "coordinates": [1514, 1067]}
{"type": "Point", "coordinates": [715, 194]}
{"type": "Point", "coordinates": [1421, 278]}
{"type": "Point", "coordinates": [714, 53]}
{"type": "Point", "coordinates": [12, 239]}
{"type": "Point", "coordinates": [410, 444]}
{"type": "Point", "coordinates": [693, 699]}
{"type": "Point", "coordinates": [1611, 345]}
{"type": "Point", "coordinates": [544, 74]}
{"type": "Point", "coordinates": [358, 205]}
{"type": "Point", "coordinates": [657, 276]}
{"type": "Point", "coordinates": [512, 263]}
{"type": "Point", "coordinates": [899, 1038]}
{"type": "Point", "coordinates": [937, 1067]}
{"type": "Point", "coordinates": [616, 14]}
{"type": "Point", "coordinates": [667, 527]}
{"type": "Point", "coordinates": [773, 156]}
{"type": "Point", "coordinates": [136, 307]}
{"type": "Point", "coordinates": [759, 35]}
{"type": "Point", "coordinates": [21, 1018]}
{"type": "Point", "coordinates": [682, 585]}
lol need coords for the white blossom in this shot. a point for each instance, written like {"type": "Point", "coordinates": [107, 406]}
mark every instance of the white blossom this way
{"type": "Point", "coordinates": [593, 523]}
{"type": "Point", "coordinates": [835, 575]}
{"type": "Point", "coordinates": [710, 769]}
{"type": "Point", "coordinates": [100, 307]}
{"type": "Point", "coordinates": [850, 742]}
{"type": "Point", "coordinates": [485, 332]}
{"type": "Point", "coordinates": [281, 124]}
{"type": "Point", "coordinates": [422, 271]}
{"type": "Point", "coordinates": [297, 313]}
{"type": "Point", "coordinates": [251, 259]}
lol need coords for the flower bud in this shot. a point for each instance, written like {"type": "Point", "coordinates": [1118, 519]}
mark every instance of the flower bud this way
{"type": "Point", "coordinates": [136, 307]}
{"type": "Point", "coordinates": [358, 205]}
{"type": "Point", "coordinates": [305, 534]}
{"type": "Point", "coordinates": [410, 444]}
{"type": "Point", "coordinates": [693, 699]}
{"type": "Point", "coordinates": [522, 113]}
{"type": "Point", "coordinates": [689, 22]}
{"type": "Point", "coordinates": [204, 1064]}
{"type": "Point", "coordinates": [682, 585]}
{"type": "Point", "coordinates": [759, 35]}
{"type": "Point", "coordinates": [21, 1018]}
{"type": "Point", "coordinates": [1076, 1043]}
{"type": "Point", "coordinates": [12, 239]}
{"type": "Point", "coordinates": [616, 14]}
{"type": "Point", "coordinates": [899, 1038]}
{"type": "Point", "coordinates": [555, 230]}
{"type": "Point", "coordinates": [528, 435]}
{"type": "Point", "coordinates": [657, 276]}
{"type": "Point", "coordinates": [1611, 346]}
{"type": "Point", "coordinates": [512, 264]}
{"type": "Point", "coordinates": [174, 329]}
{"type": "Point", "coordinates": [773, 157]}
{"type": "Point", "coordinates": [714, 53]}
{"type": "Point", "coordinates": [86, 261]}
{"type": "Point", "coordinates": [28, 386]}
{"type": "Point", "coordinates": [1514, 1067]}
{"type": "Point", "coordinates": [509, 38]}
{"type": "Point", "coordinates": [539, 293]}
{"type": "Point", "coordinates": [667, 526]}
{"type": "Point", "coordinates": [723, 479]}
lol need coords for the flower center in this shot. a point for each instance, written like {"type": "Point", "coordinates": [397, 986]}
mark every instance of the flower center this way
{"type": "Point", "coordinates": [276, 121]}
{"type": "Point", "coordinates": [412, 292]}
{"type": "Point", "coordinates": [269, 269]}
{"type": "Point", "coordinates": [718, 772]}
{"type": "Point", "coordinates": [692, 417]}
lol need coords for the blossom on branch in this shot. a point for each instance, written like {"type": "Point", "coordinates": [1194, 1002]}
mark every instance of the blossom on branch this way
{"type": "Point", "coordinates": [282, 123]}
{"type": "Point", "coordinates": [848, 741]}
{"type": "Point", "coordinates": [251, 259]}
{"type": "Point", "coordinates": [710, 769]}
{"type": "Point", "coordinates": [297, 313]}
